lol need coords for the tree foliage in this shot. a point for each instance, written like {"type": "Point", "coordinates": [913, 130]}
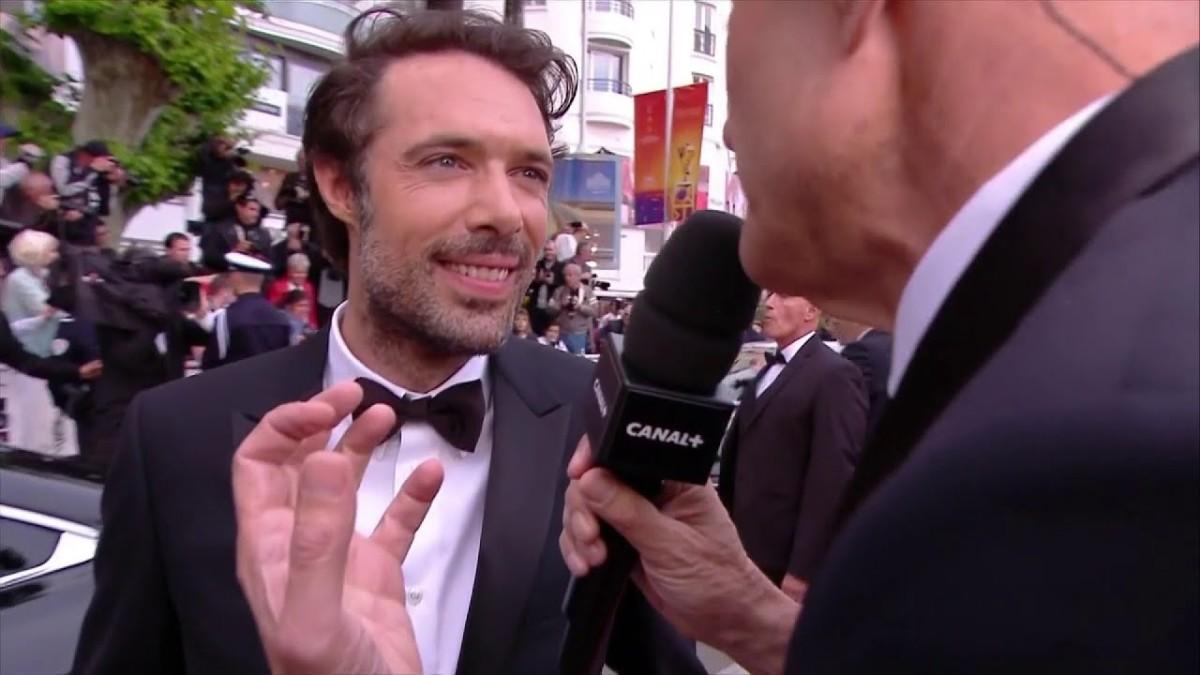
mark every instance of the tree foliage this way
{"type": "Point", "coordinates": [160, 78]}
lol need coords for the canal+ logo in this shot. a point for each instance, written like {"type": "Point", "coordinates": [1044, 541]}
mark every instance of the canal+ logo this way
{"type": "Point", "coordinates": [639, 430]}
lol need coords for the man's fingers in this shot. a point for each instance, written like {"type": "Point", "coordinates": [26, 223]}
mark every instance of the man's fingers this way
{"type": "Point", "coordinates": [276, 438]}
{"type": "Point", "coordinates": [404, 515]}
{"type": "Point", "coordinates": [630, 514]}
{"type": "Point", "coordinates": [366, 433]}
{"type": "Point", "coordinates": [320, 542]}
{"type": "Point", "coordinates": [581, 461]}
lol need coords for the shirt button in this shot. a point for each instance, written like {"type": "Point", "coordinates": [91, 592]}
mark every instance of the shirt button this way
{"type": "Point", "coordinates": [414, 596]}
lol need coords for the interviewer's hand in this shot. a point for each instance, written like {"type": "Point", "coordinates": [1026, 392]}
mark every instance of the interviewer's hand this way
{"type": "Point", "coordinates": [692, 567]}
{"type": "Point", "coordinates": [325, 599]}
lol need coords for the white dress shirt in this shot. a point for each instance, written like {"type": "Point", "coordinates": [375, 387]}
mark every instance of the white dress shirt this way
{"type": "Point", "coordinates": [957, 245]}
{"type": "Point", "coordinates": [789, 352]}
{"type": "Point", "coordinates": [439, 572]}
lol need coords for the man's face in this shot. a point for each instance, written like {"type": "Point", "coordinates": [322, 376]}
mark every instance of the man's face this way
{"type": "Point", "coordinates": [300, 309]}
{"type": "Point", "coordinates": [813, 127]}
{"type": "Point", "coordinates": [548, 252]}
{"type": "Point", "coordinates": [248, 213]}
{"type": "Point", "coordinates": [573, 275]}
{"type": "Point", "coordinates": [788, 317]}
{"type": "Point", "coordinates": [297, 275]}
{"type": "Point", "coordinates": [181, 250]}
{"type": "Point", "coordinates": [552, 334]}
{"type": "Point", "coordinates": [458, 182]}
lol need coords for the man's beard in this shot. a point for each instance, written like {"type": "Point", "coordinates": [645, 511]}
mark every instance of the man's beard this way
{"type": "Point", "coordinates": [403, 302]}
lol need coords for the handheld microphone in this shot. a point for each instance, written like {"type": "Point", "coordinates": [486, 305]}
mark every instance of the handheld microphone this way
{"type": "Point", "coordinates": [654, 416]}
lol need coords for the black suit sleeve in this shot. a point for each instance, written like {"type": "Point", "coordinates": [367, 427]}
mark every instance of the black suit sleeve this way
{"type": "Point", "coordinates": [130, 626]}
{"type": "Point", "coordinates": [213, 247]}
{"type": "Point", "coordinates": [839, 423]}
{"type": "Point", "coordinates": [856, 353]}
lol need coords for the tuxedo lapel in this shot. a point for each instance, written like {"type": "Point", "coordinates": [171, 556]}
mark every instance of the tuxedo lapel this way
{"type": "Point", "coordinates": [789, 371]}
{"type": "Point", "coordinates": [527, 470]}
{"type": "Point", "coordinates": [1142, 138]}
{"type": "Point", "coordinates": [301, 379]}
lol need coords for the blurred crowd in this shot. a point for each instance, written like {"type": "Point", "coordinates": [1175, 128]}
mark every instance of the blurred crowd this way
{"type": "Point", "coordinates": [87, 324]}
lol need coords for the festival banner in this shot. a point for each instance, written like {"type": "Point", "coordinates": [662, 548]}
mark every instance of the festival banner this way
{"type": "Point", "coordinates": [649, 148]}
{"type": "Point", "coordinates": [671, 198]}
{"type": "Point", "coordinates": [687, 137]}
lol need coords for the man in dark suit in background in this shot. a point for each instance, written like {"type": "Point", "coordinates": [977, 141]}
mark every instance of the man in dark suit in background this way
{"type": "Point", "coordinates": [1020, 206]}
{"type": "Point", "coordinates": [439, 257]}
{"type": "Point", "coordinates": [792, 451]}
{"type": "Point", "coordinates": [871, 350]}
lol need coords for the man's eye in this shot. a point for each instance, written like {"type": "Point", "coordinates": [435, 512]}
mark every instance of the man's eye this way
{"type": "Point", "coordinates": [535, 174]}
{"type": "Point", "coordinates": [444, 162]}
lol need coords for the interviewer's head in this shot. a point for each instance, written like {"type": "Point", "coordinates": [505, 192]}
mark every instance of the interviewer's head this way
{"type": "Point", "coordinates": [429, 148]}
{"type": "Point", "coordinates": [862, 126]}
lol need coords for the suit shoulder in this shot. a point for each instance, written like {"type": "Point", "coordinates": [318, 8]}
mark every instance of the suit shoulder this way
{"type": "Point", "coordinates": [547, 363]}
{"type": "Point", "coordinates": [226, 387]}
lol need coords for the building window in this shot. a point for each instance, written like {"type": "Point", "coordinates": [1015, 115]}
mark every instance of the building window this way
{"type": "Point", "coordinates": [607, 71]}
{"type": "Point", "coordinates": [708, 115]}
{"type": "Point", "coordinates": [704, 40]}
{"type": "Point", "coordinates": [302, 75]}
{"type": "Point", "coordinates": [274, 66]}
{"type": "Point", "coordinates": [535, 3]}
{"type": "Point", "coordinates": [617, 6]}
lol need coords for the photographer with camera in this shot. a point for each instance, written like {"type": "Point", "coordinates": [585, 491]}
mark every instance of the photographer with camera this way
{"type": "Point", "coordinates": [89, 173]}
{"type": "Point", "coordinates": [292, 197]}
{"type": "Point", "coordinates": [217, 165]}
{"type": "Point", "coordinates": [576, 309]}
{"type": "Point", "coordinates": [242, 232]}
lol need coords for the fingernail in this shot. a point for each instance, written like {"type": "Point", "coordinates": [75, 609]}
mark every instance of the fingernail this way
{"type": "Point", "coordinates": [323, 482]}
{"type": "Point", "coordinates": [598, 490]}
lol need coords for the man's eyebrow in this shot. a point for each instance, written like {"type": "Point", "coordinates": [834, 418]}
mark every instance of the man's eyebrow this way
{"type": "Point", "coordinates": [466, 143]}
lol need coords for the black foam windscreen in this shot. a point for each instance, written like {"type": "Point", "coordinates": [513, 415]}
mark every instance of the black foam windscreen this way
{"type": "Point", "coordinates": [688, 321]}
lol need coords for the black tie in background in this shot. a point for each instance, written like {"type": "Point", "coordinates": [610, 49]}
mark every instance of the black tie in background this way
{"type": "Point", "coordinates": [654, 416]}
{"type": "Point", "coordinates": [456, 413]}
{"type": "Point", "coordinates": [776, 358]}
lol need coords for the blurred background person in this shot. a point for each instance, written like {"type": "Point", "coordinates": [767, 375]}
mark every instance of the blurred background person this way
{"type": "Point", "coordinates": [521, 327]}
{"type": "Point", "coordinates": [574, 307]}
{"type": "Point", "coordinates": [31, 203]}
{"type": "Point", "coordinates": [541, 289]}
{"type": "Point", "coordinates": [217, 166]}
{"type": "Point", "coordinates": [550, 338]}
{"type": "Point", "coordinates": [296, 280]}
{"type": "Point", "coordinates": [297, 239]}
{"type": "Point", "coordinates": [240, 233]}
{"type": "Point", "coordinates": [292, 198]}
{"type": "Point", "coordinates": [871, 350]}
{"type": "Point", "coordinates": [221, 206]}
{"type": "Point", "coordinates": [31, 412]}
{"type": "Point", "coordinates": [250, 325]}
{"type": "Point", "coordinates": [88, 173]}
{"type": "Point", "coordinates": [298, 308]}
{"type": "Point", "coordinates": [792, 450]}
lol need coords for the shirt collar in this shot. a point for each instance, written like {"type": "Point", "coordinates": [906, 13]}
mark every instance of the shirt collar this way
{"type": "Point", "coordinates": [962, 238]}
{"type": "Point", "coordinates": [344, 365]}
{"type": "Point", "coordinates": [791, 349]}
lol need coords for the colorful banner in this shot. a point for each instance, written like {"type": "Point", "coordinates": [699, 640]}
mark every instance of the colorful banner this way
{"type": "Point", "coordinates": [687, 137]}
{"type": "Point", "coordinates": [657, 200]}
{"type": "Point", "coordinates": [649, 148]}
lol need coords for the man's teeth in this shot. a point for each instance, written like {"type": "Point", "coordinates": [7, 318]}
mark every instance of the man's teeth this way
{"type": "Point", "coordinates": [484, 273]}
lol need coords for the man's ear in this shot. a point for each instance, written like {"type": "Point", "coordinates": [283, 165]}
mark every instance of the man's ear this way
{"type": "Point", "coordinates": [335, 189]}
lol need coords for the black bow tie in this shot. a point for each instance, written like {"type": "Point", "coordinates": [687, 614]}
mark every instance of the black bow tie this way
{"type": "Point", "coordinates": [776, 358]}
{"type": "Point", "coordinates": [456, 413]}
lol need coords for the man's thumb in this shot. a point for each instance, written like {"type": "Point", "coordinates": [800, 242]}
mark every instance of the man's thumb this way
{"type": "Point", "coordinates": [630, 514]}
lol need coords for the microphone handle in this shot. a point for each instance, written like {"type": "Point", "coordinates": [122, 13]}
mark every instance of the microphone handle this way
{"type": "Point", "coordinates": [592, 600]}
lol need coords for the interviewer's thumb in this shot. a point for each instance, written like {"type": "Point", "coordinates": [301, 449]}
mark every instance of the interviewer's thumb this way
{"type": "Point", "coordinates": [630, 514]}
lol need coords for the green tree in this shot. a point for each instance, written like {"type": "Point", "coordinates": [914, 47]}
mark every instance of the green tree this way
{"type": "Point", "coordinates": [160, 78]}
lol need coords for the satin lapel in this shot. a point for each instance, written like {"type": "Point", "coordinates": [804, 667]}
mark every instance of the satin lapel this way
{"type": "Point", "coordinates": [1143, 137]}
{"type": "Point", "coordinates": [300, 378]}
{"type": "Point", "coordinates": [526, 476]}
{"type": "Point", "coordinates": [789, 372]}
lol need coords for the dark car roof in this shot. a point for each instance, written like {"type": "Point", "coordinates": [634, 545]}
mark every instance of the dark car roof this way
{"type": "Point", "coordinates": [66, 488]}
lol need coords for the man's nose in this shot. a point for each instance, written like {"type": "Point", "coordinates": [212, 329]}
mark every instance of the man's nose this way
{"type": "Point", "coordinates": [495, 205]}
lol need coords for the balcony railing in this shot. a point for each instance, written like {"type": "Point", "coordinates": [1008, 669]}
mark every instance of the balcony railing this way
{"type": "Point", "coordinates": [616, 6]}
{"type": "Point", "coordinates": [615, 86]}
{"type": "Point", "coordinates": [704, 42]}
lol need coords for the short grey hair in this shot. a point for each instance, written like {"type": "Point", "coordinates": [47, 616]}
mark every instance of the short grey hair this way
{"type": "Point", "coordinates": [298, 261]}
{"type": "Point", "coordinates": [32, 249]}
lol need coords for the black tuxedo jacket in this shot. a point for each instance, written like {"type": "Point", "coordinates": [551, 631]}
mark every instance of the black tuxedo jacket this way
{"type": "Point", "coordinates": [1029, 503]}
{"type": "Point", "coordinates": [873, 355]}
{"type": "Point", "coordinates": [167, 598]}
{"type": "Point", "coordinates": [789, 457]}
